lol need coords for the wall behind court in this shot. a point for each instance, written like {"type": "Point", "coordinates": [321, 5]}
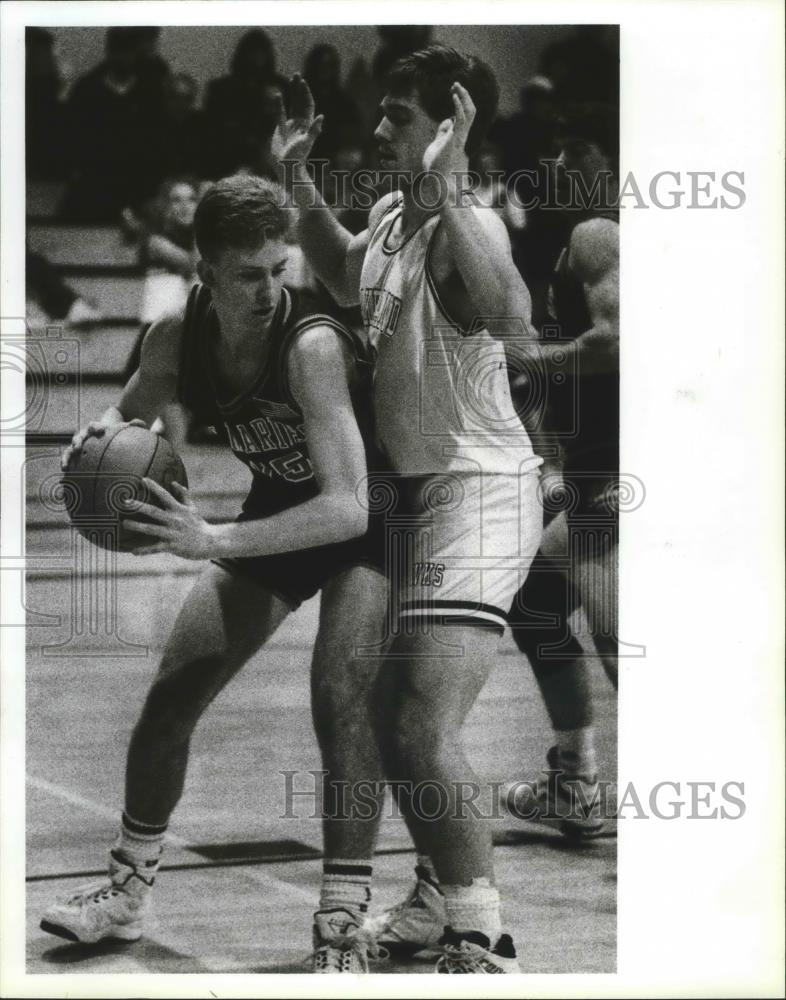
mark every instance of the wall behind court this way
{"type": "Point", "coordinates": [205, 51]}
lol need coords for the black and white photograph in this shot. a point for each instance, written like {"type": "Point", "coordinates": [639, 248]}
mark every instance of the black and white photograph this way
{"type": "Point", "coordinates": [385, 434]}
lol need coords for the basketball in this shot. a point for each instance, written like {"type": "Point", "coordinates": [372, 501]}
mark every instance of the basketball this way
{"type": "Point", "coordinates": [107, 474]}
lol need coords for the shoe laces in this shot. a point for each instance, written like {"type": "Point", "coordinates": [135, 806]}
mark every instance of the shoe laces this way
{"type": "Point", "coordinates": [94, 892]}
{"type": "Point", "coordinates": [461, 958]}
{"type": "Point", "coordinates": [340, 953]}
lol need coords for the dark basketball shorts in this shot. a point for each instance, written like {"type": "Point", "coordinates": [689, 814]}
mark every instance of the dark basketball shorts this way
{"type": "Point", "coordinates": [585, 417]}
{"type": "Point", "coordinates": [589, 495]}
{"type": "Point", "coordinates": [296, 576]}
{"type": "Point", "coordinates": [593, 475]}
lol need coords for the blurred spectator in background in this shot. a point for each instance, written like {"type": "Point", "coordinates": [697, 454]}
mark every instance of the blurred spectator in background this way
{"type": "Point", "coordinates": [528, 135]}
{"type": "Point", "coordinates": [322, 73]}
{"type": "Point", "coordinates": [348, 160]}
{"type": "Point", "coordinates": [50, 298]}
{"type": "Point", "coordinates": [492, 191]}
{"type": "Point", "coordinates": [43, 108]}
{"type": "Point", "coordinates": [165, 233]}
{"type": "Point", "coordinates": [152, 69]}
{"type": "Point", "coordinates": [397, 40]}
{"type": "Point", "coordinates": [241, 109]}
{"type": "Point", "coordinates": [528, 142]}
{"type": "Point", "coordinates": [112, 117]}
{"type": "Point", "coordinates": [585, 66]}
{"type": "Point", "coordinates": [169, 256]}
{"type": "Point", "coordinates": [180, 145]}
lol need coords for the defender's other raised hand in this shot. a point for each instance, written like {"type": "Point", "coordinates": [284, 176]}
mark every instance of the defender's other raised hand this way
{"type": "Point", "coordinates": [295, 136]}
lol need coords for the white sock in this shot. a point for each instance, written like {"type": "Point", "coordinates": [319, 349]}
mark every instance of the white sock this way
{"type": "Point", "coordinates": [474, 908]}
{"type": "Point", "coordinates": [577, 750]}
{"type": "Point", "coordinates": [346, 885]}
{"type": "Point", "coordinates": [140, 843]}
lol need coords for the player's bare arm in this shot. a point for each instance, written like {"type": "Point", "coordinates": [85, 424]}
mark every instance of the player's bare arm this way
{"type": "Point", "coordinates": [149, 389]}
{"type": "Point", "coordinates": [318, 369]}
{"type": "Point", "coordinates": [472, 259]}
{"type": "Point", "coordinates": [332, 251]}
{"type": "Point", "coordinates": [593, 257]}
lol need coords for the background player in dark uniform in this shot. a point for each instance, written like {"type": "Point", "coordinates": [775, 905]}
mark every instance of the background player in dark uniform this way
{"type": "Point", "coordinates": [584, 306]}
{"type": "Point", "coordinates": [286, 388]}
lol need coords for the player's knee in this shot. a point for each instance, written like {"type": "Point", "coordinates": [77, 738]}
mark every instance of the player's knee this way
{"type": "Point", "coordinates": [337, 697]}
{"type": "Point", "coordinates": [417, 733]}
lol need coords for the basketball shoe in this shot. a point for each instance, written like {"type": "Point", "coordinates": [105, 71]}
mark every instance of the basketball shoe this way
{"type": "Point", "coordinates": [562, 797]}
{"type": "Point", "coordinates": [471, 952]}
{"type": "Point", "coordinates": [341, 945]}
{"type": "Point", "coordinates": [113, 908]}
{"type": "Point", "coordinates": [414, 925]}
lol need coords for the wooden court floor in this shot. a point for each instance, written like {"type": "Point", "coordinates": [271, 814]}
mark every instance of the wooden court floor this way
{"type": "Point", "coordinates": [239, 879]}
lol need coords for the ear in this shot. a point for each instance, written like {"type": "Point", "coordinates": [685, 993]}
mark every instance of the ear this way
{"type": "Point", "coordinates": [206, 273]}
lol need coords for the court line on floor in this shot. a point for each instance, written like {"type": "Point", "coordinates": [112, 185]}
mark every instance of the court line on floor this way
{"type": "Point", "coordinates": [286, 888]}
{"type": "Point", "coordinates": [273, 859]}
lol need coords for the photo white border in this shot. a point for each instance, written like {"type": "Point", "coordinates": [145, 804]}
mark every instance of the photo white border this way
{"type": "Point", "coordinates": [700, 903]}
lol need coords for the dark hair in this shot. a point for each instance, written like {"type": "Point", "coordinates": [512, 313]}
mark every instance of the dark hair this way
{"type": "Point", "coordinates": [39, 36]}
{"type": "Point", "coordinates": [240, 211]}
{"type": "Point", "coordinates": [431, 72]}
{"type": "Point", "coordinates": [121, 39]}
{"type": "Point", "coordinates": [596, 123]}
{"type": "Point", "coordinates": [253, 41]}
{"type": "Point", "coordinates": [315, 56]}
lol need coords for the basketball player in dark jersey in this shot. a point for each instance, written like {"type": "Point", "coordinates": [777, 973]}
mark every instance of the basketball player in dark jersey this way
{"type": "Point", "coordinates": [584, 309]}
{"type": "Point", "coordinates": [287, 388]}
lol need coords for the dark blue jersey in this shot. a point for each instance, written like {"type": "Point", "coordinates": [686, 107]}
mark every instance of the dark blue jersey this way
{"type": "Point", "coordinates": [263, 425]}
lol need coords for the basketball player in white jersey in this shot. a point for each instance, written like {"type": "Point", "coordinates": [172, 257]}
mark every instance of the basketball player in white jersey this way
{"type": "Point", "coordinates": [437, 284]}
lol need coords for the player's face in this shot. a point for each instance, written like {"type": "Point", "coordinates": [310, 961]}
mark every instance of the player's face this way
{"type": "Point", "coordinates": [404, 134]}
{"type": "Point", "coordinates": [578, 156]}
{"type": "Point", "coordinates": [182, 204]}
{"type": "Point", "coordinates": [246, 283]}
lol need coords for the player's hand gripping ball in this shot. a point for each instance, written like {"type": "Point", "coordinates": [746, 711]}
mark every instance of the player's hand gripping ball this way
{"type": "Point", "coordinates": [104, 482]}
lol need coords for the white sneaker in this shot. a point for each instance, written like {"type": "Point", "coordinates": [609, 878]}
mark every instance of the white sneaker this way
{"type": "Point", "coordinates": [113, 908]}
{"type": "Point", "coordinates": [341, 945]}
{"type": "Point", "coordinates": [570, 802]}
{"type": "Point", "coordinates": [416, 924]}
{"type": "Point", "coordinates": [471, 952]}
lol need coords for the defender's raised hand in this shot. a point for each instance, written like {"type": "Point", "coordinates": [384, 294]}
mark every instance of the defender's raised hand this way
{"type": "Point", "coordinates": [295, 136]}
{"type": "Point", "coordinates": [445, 155]}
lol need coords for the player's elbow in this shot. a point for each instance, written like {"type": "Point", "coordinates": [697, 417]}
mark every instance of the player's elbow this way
{"type": "Point", "coordinates": [350, 518]}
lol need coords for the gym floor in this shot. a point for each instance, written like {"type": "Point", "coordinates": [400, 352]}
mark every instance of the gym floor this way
{"type": "Point", "coordinates": [239, 880]}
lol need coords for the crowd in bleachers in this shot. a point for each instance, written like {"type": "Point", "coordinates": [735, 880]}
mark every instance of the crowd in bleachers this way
{"type": "Point", "coordinates": [129, 136]}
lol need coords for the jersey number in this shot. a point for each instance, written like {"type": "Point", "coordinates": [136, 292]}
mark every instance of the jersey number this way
{"type": "Point", "coordinates": [295, 468]}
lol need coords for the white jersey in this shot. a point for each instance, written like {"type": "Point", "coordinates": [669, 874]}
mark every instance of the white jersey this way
{"type": "Point", "coordinates": [441, 398]}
